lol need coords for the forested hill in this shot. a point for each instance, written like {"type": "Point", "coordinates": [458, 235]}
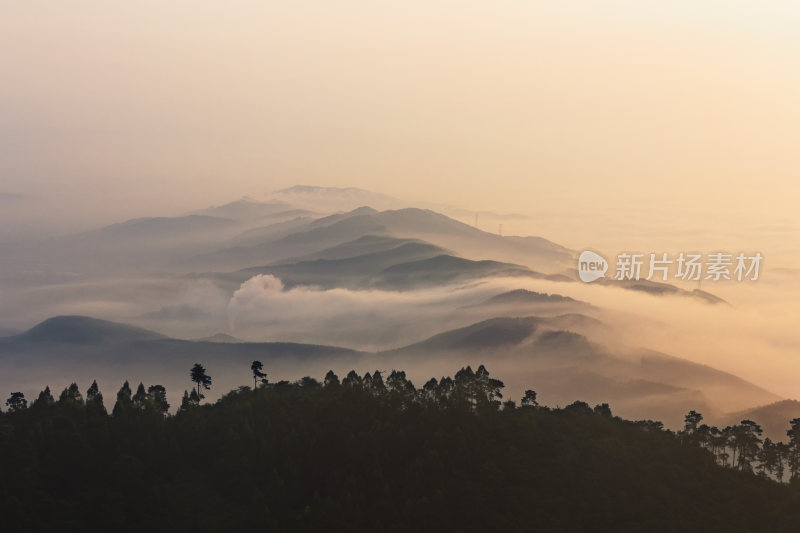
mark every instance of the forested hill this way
{"type": "Point", "coordinates": [365, 455]}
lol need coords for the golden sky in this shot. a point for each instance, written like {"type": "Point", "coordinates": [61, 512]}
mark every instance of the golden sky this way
{"type": "Point", "coordinates": [615, 125]}
{"type": "Point", "coordinates": [542, 107]}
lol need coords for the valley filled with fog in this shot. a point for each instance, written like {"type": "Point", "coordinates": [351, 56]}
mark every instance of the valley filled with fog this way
{"type": "Point", "coordinates": [312, 279]}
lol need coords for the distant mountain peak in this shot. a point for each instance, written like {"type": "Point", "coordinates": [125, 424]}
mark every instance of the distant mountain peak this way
{"type": "Point", "coordinates": [526, 296]}
{"type": "Point", "coordinates": [246, 209]}
{"type": "Point", "coordinates": [85, 330]}
{"type": "Point", "coordinates": [219, 338]}
{"type": "Point", "coordinates": [336, 198]}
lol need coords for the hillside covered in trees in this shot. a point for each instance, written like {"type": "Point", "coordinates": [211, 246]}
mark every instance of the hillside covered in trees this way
{"type": "Point", "coordinates": [368, 454]}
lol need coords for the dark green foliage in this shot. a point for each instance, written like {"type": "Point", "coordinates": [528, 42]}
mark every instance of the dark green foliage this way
{"type": "Point", "coordinates": [94, 398]}
{"type": "Point", "coordinates": [308, 382]}
{"type": "Point", "coordinates": [603, 409]}
{"type": "Point", "coordinates": [529, 400]}
{"type": "Point", "coordinates": [794, 448]}
{"type": "Point", "coordinates": [199, 376]}
{"type": "Point", "coordinates": [45, 398]}
{"type": "Point", "coordinates": [311, 456]}
{"type": "Point", "coordinates": [352, 380]}
{"type": "Point", "coordinates": [71, 395]}
{"type": "Point", "coordinates": [157, 396]}
{"type": "Point", "coordinates": [124, 401]}
{"type": "Point", "coordinates": [258, 375]}
{"type": "Point", "coordinates": [140, 398]}
{"type": "Point", "coordinates": [16, 402]}
{"type": "Point", "coordinates": [186, 402]}
{"type": "Point", "coordinates": [331, 379]}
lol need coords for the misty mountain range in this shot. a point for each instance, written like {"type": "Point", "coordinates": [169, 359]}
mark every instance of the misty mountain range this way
{"type": "Point", "coordinates": [317, 288]}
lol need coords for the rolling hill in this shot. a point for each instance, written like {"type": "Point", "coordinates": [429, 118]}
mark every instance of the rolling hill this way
{"type": "Point", "coordinates": [445, 269]}
{"type": "Point", "coordinates": [410, 223]}
{"type": "Point", "coordinates": [349, 272]}
{"type": "Point", "coordinates": [773, 418]}
{"type": "Point", "coordinates": [545, 351]}
{"type": "Point", "coordinates": [566, 365]}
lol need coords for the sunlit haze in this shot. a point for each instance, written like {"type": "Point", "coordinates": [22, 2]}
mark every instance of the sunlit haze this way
{"type": "Point", "coordinates": [613, 126]}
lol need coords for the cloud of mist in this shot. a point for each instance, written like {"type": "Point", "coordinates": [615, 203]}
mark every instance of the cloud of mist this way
{"type": "Point", "coordinates": [755, 337]}
{"type": "Point", "coordinates": [364, 319]}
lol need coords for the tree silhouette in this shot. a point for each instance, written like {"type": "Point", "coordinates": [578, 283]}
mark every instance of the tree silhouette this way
{"type": "Point", "coordinates": [308, 382]}
{"type": "Point", "coordinates": [691, 421]}
{"type": "Point", "coordinates": [331, 379]}
{"type": "Point", "coordinates": [124, 402]}
{"type": "Point", "coordinates": [16, 402]}
{"type": "Point", "coordinates": [484, 469]}
{"type": "Point", "coordinates": [45, 398]}
{"type": "Point", "coordinates": [476, 389]}
{"type": "Point", "coordinates": [529, 399]}
{"type": "Point", "coordinates": [94, 398]}
{"type": "Point", "coordinates": [199, 376]}
{"type": "Point", "coordinates": [71, 395]}
{"type": "Point", "coordinates": [603, 409]}
{"type": "Point", "coordinates": [783, 455]}
{"type": "Point", "coordinates": [794, 449]}
{"type": "Point", "coordinates": [258, 375]}
{"type": "Point", "coordinates": [489, 386]}
{"type": "Point", "coordinates": [352, 380]}
{"type": "Point", "coordinates": [194, 398]}
{"type": "Point", "coordinates": [768, 458]}
{"type": "Point", "coordinates": [746, 441]}
{"type": "Point", "coordinates": [140, 398]}
{"type": "Point", "coordinates": [185, 402]}
{"type": "Point", "coordinates": [400, 387]}
{"type": "Point", "coordinates": [157, 396]}
{"type": "Point", "coordinates": [430, 391]}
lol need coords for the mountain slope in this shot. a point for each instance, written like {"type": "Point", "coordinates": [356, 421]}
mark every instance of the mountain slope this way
{"type": "Point", "coordinates": [349, 272]}
{"type": "Point", "coordinates": [773, 418]}
{"type": "Point", "coordinates": [155, 232]}
{"type": "Point", "coordinates": [523, 296]}
{"type": "Point", "coordinates": [83, 330]}
{"type": "Point", "coordinates": [737, 392]}
{"type": "Point", "coordinates": [80, 349]}
{"type": "Point", "coordinates": [246, 209]}
{"type": "Point", "coordinates": [7, 332]}
{"type": "Point", "coordinates": [410, 223]}
{"type": "Point", "coordinates": [567, 365]}
{"type": "Point", "coordinates": [444, 269]}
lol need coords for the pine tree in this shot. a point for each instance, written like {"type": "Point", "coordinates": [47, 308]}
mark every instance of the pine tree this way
{"type": "Point", "coordinates": [352, 380]}
{"type": "Point", "coordinates": [185, 402]}
{"type": "Point", "coordinates": [377, 385]}
{"type": "Point", "coordinates": [71, 395]}
{"type": "Point", "coordinates": [124, 402]}
{"type": "Point", "coordinates": [157, 396]}
{"type": "Point", "coordinates": [331, 379]}
{"type": "Point", "coordinates": [258, 375]}
{"type": "Point", "coordinates": [140, 398]}
{"type": "Point", "coordinates": [430, 391]}
{"type": "Point", "coordinates": [45, 398]}
{"type": "Point", "coordinates": [94, 398]}
{"type": "Point", "coordinates": [199, 376]}
{"type": "Point", "coordinates": [794, 449]}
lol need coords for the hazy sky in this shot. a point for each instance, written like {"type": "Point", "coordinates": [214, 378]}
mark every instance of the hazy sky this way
{"type": "Point", "coordinates": [115, 109]}
{"type": "Point", "coordinates": [640, 125]}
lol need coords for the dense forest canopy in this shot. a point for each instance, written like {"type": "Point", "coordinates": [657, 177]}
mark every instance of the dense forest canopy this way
{"type": "Point", "coordinates": [368, 453]}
